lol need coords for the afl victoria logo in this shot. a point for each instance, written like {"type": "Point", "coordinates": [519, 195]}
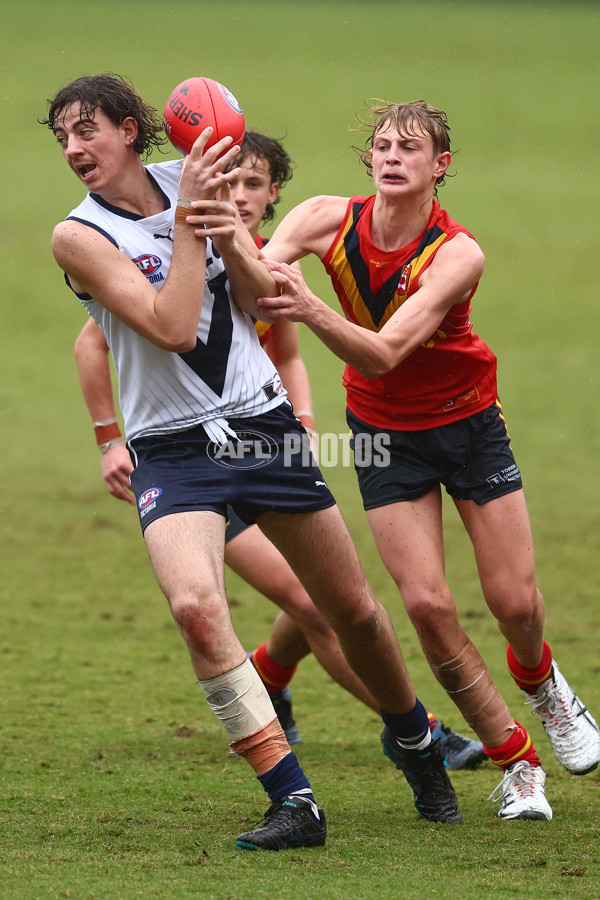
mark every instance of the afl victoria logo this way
{"type": "Point", "coordinates": [148, 263]}
{"type": "Point", "coordinates": [148, 497]}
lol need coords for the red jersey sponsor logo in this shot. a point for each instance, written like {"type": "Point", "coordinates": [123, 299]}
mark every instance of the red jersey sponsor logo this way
{"type": "Point", "coordinates": [471, 396]}
{"type": "Point", "coordinates": [378, 263]}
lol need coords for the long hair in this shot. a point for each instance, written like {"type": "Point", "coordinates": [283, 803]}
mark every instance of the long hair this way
{"type": "Point", "coordinates": [117, 99]}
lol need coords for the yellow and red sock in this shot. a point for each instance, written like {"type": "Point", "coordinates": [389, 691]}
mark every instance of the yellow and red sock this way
{"type": "Point", "coordinates": [274, 677]}
{"type": "Point", "coordinates": [530, 679]}
{"type": "Point", "coordinates": [433, 720]}
{"type": "Point", "coordinates": [518, 747]}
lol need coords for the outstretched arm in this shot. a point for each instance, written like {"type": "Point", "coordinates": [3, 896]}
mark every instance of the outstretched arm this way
{"type": "Point", "coordinates": [91, 357]}
{"type": "Point", "coordinates": [457, 267]}
{"type": "Point", "coordinates": [309, 228]}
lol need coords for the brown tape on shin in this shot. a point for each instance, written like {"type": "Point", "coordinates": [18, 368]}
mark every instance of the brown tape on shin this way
{"type": "Point", "coordinates": [264, 748]}
{"type": "Point", "coordinates": [466, 679]}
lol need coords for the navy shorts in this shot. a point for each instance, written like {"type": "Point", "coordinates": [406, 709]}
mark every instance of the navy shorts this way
{"type": "Point", "coordinates": [268, 468]}
{"type": "Point", "coordinates": [472, 458]}
{"type": "Point", "coordinates": [235, 525]}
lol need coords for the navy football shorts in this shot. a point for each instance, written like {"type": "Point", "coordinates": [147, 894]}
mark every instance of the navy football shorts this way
{"type": "Point", "coordinates": [268, 468]}
{"type": "Point", "coordinates": [235, 525]}
{"type": "Point", "coordinates": [472, 458]}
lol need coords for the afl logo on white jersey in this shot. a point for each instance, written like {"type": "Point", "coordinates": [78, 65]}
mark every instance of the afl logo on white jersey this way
{"type": "Point", "coordinates": [149, 264]}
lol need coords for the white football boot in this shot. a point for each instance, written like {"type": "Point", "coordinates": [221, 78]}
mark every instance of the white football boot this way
{"type": "Point", "coordinates": [523, 793]}
{"type": "Point", "coordinates": [571, 729]}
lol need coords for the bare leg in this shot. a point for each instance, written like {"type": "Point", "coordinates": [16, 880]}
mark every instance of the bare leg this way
{"type": "Point", "coordinates": [410, 541]}
{"type": "Point", "coordinates": [287, 644]}
{"type": "Point", "coordinates": [503, 544]}
{"type": "Point", "coordinates": [300, 628]}
{"type": "Point", "coordinates": [186, 551]}
{"type": "Point", "coordinates": [320, 551]}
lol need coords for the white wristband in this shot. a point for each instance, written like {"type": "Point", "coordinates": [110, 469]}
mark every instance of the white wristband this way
{"type": "Point", "coordinates": [109, 445]}
{"type": "Point", "coordinates": [104, 422]}
{"type": "Point", "coordinates": [184, 201]}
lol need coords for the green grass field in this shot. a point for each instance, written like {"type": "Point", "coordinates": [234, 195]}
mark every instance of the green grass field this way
{"type": "Point", "coordinates": [115, 780]}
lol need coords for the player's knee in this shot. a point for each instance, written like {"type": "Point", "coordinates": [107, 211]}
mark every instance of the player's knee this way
{"type": "Point", "coordinates": [431, 610]}
{"type": "Point", "coordinates": [519, 607]}
{"type": "Point", "coordinates": [200, 617]}
{"type": "Point", "coordinates": [361, 619]}
{"type": "Point", "coordinates": [522, 614]}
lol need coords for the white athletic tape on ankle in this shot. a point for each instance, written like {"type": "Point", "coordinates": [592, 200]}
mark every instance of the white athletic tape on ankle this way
{"type": "Point", "coordinates": [239, 700]}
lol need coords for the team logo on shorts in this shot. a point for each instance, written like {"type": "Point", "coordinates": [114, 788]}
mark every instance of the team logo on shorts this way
{"type": "Point", "coordinates": [511, 473]}
{"type": "Point", "coordinates": [249, 450]}
{"type": "Point", "coordinates": [147, 500]}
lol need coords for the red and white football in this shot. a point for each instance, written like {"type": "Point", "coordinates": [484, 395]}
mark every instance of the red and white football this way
{"type": "Point", "coordinates": [197, 103]}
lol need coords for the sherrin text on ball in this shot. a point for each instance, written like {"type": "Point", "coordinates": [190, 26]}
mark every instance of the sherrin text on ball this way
{"type": "Point", "coordinates": [198, 103]}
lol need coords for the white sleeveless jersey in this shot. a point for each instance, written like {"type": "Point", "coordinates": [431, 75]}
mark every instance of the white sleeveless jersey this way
{"type": "Point", "coordinates": [228, 374]}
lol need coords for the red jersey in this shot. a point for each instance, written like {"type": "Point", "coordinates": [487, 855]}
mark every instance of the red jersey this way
{"type": "Point", "coordinates": [263, 328]}
{"type": "Point", "coordinates": [450, 376]}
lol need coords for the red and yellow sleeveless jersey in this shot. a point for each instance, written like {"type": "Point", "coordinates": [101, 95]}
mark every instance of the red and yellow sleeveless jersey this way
{"type": "Point", "coordinates": [263, 328]}
{"type": "Point", "coordinates": [450, 376]}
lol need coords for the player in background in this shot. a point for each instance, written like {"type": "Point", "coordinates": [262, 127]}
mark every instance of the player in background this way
{"type": "Point", "coordinates": [405, 274]}
{"type": "Point", "coordinates": [299, 629]}
{"type": "Point", "coordinates": [192, 378]}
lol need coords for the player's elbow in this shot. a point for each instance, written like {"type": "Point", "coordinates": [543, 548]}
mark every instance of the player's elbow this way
{"type": "Point", "coordinates": [371, 373]}
{"type": "Point", "coordinates": [378, 364]}
{"type": "Point", "coordinates": [178, 343]}
{"type": "Point", "coordinates": [183, 347]}
{"type": "Point", "coordinates": [174, 335]}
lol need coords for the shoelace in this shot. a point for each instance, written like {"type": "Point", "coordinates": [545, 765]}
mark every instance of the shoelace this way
{"type": "Point", "coordinates": [281, 812]}
{"type": "Point", "coordinates": [553, 705]}
{"type": "Point", "coordinates": [521, 778]}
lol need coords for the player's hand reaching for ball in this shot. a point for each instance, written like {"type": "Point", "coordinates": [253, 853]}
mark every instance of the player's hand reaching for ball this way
{"type": "Point", "coordinates": [205, 170]}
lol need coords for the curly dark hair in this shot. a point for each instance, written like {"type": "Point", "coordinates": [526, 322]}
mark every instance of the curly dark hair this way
{"type": "Point", "coordinates": [117, 99]}
{"type": "Point", "coordinates": [257, 145]}
{"type": "Point", "coordinates": [404, 117]}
